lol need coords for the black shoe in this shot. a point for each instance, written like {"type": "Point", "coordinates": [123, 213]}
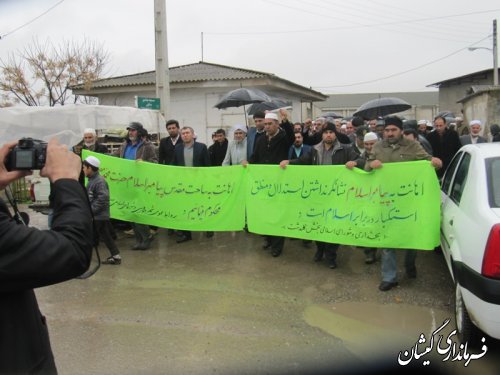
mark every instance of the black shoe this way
{"type": "Point", "coordinates": [387, 285]}
{"type": "Point", "coordinates": [411, 273]}
{"type": "Point", "coordinates": [140, 246]}
{"type": "Point", "coordinates": [276, 253]}
{"type": "Point", "coordinates": [332, 264]}
{"type": "Point", "coordinates": [209, 234]}
{"type": "Point", "coordinates": [183, 239]}
{"type": "Point", "coordinates": [370, 259]}
{"type": "Point", "coordinates": [112, 260]}
{"type": "Point", "coordinates": [266, 245]}
{"type": "Point", "coordinates": [318, 256]}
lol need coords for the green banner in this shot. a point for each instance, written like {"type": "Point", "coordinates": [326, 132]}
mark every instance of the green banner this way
{"type": "Point", "coordinates": [397, 206]}
{"type": "Point", "coordinates": [175, 197]}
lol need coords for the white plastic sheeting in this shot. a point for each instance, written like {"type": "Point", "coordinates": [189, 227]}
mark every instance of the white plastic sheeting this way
{"type": "Point", "coordinates": [68, 122]}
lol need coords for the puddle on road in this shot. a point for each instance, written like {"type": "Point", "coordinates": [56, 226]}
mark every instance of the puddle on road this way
{"type": "Point", "coordinates": [370, 330]}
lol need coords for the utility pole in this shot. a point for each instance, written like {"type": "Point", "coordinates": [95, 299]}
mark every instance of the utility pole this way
{"type": "Point", "coordinates": [202, 46]}
{"type": "Point", "coordinates": [161, 57]}
{"type": "Point", "coordinates": [495, 54]}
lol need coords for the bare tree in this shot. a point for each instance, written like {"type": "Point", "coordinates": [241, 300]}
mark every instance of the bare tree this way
{"type": "Point", "coordinates": [42, 74]}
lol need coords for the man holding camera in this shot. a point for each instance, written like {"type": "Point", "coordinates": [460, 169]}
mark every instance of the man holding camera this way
{"type": "Point", "coordinates": [32, 258]}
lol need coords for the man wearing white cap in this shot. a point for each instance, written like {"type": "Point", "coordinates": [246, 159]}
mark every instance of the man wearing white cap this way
{"type": "Point", "coordinates": [272, 149]}
{"type": "Point", "coordinates": [89, 142]}
{"type": "Point", "coordinates": [369, 140]}
{"type": "Point", "coordinates": [237, 149]}
{"type": "Point", "coordinates": [98, 192]}
{"type": "Point", "coordinates": [423, 127]}
{"type": "Point", "coordinates": [473, 137]}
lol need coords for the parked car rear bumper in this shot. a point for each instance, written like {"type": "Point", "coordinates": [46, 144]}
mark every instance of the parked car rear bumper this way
{"type": "Point", "coordinates": [484, 288]}
{"type": "Point", "coordinates": [484, 315]}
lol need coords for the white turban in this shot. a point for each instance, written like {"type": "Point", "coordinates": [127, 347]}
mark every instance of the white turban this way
{"type": "Point", "coordinates": [243, 128]}
{"type": "Point", "coordinates": [370, 136]}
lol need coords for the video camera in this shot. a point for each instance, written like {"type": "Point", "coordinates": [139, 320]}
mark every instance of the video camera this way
{"type": "Point", "coordinates": [28, 154]}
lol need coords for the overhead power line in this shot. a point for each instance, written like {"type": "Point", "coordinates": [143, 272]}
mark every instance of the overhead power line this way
{"type": "Point", "coordinates": [400, 73]}
{"type": "Point", "coordinates": [355, 26]}
{"type": "Point", "coordinates": [33, 20]}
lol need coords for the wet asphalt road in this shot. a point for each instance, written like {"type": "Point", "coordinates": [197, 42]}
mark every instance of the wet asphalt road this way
{"type": "Point", "coordinates": [225, 306]}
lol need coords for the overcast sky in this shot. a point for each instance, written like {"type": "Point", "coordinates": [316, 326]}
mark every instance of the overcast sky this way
{"type": "Point", "coordinates": [333, 46]}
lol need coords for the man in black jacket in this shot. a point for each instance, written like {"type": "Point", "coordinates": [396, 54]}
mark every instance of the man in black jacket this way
{"type": "Point", "coordinates": [167, 144]}
{"type": "Point", "coordinates": [328, 152]}
{"type": "Point", "coordinates": [217, 151]}
{"type": "Point", "coordinates": [271, 149]}
{"type": "Point", "coordinates": [445, 143]}
{"type": "Point", "coordinates": [31, 258]}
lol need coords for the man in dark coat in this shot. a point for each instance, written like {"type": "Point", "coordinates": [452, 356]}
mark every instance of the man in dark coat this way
{"type": "Point", "coordinates": [271, 149]}
{"type": "Point", "coordinates": [444, 142]}
{"type": "Point", "coordinates": [167, 144]}
{"type": "Point", "coordinates": [298, 148]}
{"type": "Point", "coordinates": [328, 152]}
{"type": "Point", "coordinates": [217, 151]}
{"type": "Point", "coordinates": [473, 137]}
{"type": "Point", "coordinates": [255, 132]}
{"type": "Point", "coordinates": [190, 153]}
{"type": "Point", "coordinates": [31, 258]}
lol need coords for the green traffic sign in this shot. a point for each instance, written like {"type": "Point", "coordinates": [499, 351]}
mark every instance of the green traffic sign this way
{"type": "Point", "coordinates": [148, 103]}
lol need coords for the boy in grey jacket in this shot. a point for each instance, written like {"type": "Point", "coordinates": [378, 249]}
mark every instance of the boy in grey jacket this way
{"type": "Point", "coordinates": [98, 191]}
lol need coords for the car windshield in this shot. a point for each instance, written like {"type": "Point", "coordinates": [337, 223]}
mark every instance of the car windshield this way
{"type": "Point", "coordinates": [493, 171]}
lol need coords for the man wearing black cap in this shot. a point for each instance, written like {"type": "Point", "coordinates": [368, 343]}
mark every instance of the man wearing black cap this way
{"type": "Point", "coordinates": [395, 148]}
{"type": "Point", "coordinates": [328, 152]}
{"type": "Point", "coordinates": [138, 147]}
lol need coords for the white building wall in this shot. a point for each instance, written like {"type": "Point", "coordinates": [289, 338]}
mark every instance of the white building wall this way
{"type": "Point", "coordinates": [194, 107]}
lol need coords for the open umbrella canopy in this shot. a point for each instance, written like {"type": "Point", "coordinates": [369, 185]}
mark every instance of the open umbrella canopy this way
{"type": "Point", "coordinates": [381, 107]}
{"type": "Point", "coordinates": [268, 105]}
{"type": "Point", "coordinates": [331, 114]}
{"type": "Point", "coordinates": [242, 96]}
{"type": "Point", "coordinates": [446, 114]}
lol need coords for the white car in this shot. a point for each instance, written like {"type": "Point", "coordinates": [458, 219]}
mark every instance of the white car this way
{"type": "Point", "coordinates": [470, 237]}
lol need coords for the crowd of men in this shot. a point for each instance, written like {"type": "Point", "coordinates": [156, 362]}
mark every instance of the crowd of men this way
{"type": "Point", "coordinates": [353, 142]}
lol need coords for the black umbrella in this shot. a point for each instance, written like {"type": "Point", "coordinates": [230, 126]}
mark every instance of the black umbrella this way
{"type": "Point", "coordinates": [242, 96]}
{"type": "Point", "coordinates": [331, 114]}
{"type": "Point", "coordinates": [446, 114]}
{"type": "Point", "coordinates": [268, 105]}
{"type": "Point", "coordinates": [381, 107]}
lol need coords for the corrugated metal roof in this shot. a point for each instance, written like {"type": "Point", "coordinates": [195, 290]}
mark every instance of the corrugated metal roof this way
{"type": "Point", "coordinates": [478, 90]}
{"type": "Point", "coordinates": [197, 72]}
{"type": "Point", "coordinates": [471, 77]}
